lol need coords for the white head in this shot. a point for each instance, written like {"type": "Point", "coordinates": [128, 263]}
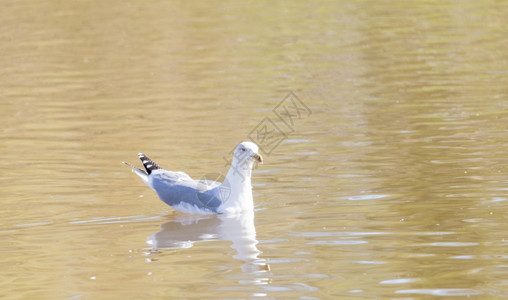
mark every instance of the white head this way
{"type": "Point", "coordinates": [246, 153]}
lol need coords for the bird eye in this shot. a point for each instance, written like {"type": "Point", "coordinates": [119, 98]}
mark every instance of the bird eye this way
{"type": "Point", "coordinates": [243, 149]}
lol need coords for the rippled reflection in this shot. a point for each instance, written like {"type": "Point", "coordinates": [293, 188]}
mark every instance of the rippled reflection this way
{"type": "Point", "coordinates": [183, 231]}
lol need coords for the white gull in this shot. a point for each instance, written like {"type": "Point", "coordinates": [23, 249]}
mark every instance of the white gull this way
{"type": "Point", "coordinates": [184, 194]}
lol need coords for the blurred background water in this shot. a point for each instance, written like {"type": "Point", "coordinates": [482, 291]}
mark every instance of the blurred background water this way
{"type": "Point", "coordinates": [391, 183]}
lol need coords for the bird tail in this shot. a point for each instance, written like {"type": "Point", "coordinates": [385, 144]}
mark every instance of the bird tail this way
{"type": "Point", "coordinates": [141, 173]}
{"type": "Point", "coordinates": [149, 164]}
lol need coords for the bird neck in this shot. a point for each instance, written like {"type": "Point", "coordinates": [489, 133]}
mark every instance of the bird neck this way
{"type": "Point", "coordinates": [240, 172]}
{"type": "Point", "coordinates": [239, 180]}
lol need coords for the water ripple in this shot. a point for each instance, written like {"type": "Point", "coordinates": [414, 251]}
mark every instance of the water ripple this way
{"type": "Point", "coordinates": [337, 243]}
{"type": "Point", "coordinates": [399, 280]}
{"type": "Point", "coordinates": [113, 220]}
{"type": "Point", "coordinates": [452, 244]}
{"type": "Point", "coordinates": [366, 197]}
{"type": "Point", "coordinates": [441, 292]}
{"type": "Point", "coordinates": [321, 234]}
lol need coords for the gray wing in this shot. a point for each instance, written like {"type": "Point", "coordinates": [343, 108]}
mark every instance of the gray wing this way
{"type": "Point", "coordinates": [176, 188]}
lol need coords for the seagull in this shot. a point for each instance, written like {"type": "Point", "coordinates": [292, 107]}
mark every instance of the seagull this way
{"type": "Point", "coordinates": [184, 194]}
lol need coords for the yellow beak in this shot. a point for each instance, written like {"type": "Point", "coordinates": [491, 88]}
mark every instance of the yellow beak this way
{"type": "Point", "coordinates": [258, 157]}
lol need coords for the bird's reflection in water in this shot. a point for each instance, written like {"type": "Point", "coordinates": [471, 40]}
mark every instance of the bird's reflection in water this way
{"type": "Point", "coordinates": [182, 231]}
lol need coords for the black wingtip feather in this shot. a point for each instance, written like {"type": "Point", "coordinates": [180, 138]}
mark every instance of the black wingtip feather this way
{"type": "Point", "coordinates": [149, 164]}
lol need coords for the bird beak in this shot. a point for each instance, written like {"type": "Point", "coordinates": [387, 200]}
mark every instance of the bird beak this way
{"type": "Point", "coordinates": [258, 158]}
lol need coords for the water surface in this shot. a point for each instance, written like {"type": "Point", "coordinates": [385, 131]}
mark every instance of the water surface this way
{"type": "Point", "coordinates": [389, 182]}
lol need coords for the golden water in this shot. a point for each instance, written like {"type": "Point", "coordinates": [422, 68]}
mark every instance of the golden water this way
{"type": "Point", "coordinates": [391, 183]}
